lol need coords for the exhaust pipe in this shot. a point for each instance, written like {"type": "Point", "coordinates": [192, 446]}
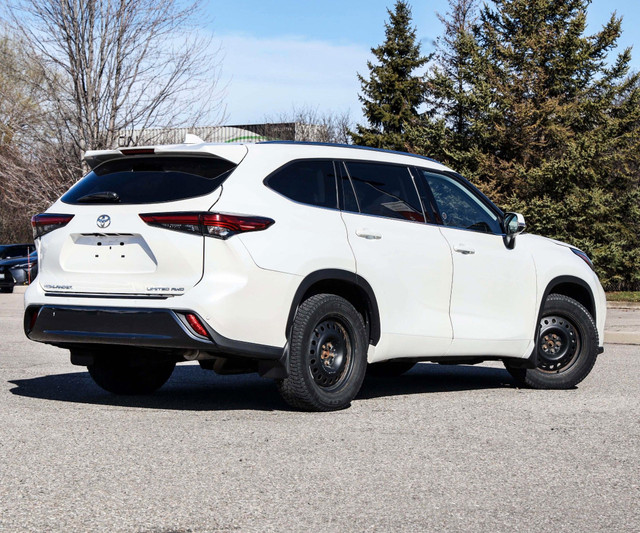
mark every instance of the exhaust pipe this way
{"type": "Point", "coordinates": [196, 355]}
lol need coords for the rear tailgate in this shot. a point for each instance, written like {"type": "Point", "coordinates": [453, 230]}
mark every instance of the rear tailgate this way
{"type": "Point", "coordinates": [106, 248]}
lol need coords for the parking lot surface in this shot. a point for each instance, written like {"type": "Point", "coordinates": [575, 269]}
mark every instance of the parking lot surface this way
{"type": "Point", "coordinates": [441, 448]}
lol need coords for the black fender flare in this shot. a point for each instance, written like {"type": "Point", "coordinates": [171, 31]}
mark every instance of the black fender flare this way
{"type": "Point", "coordinates": [532, 360]}
{"type": "Point", "coordinates": [560, 280]}
{"type": "Point", "coordinates": [333, 274]}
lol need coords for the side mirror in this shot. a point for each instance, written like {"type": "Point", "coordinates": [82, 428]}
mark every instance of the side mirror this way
{"type": "Point", "coordinates": [513, 224]}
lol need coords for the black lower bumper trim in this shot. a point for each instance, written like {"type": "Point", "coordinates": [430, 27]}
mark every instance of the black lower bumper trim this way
{"type": "Point", "coordinates": [69, 326]}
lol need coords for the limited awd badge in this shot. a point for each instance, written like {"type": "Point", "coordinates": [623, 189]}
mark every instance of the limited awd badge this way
{"type": "Point", "coordinates": [103, 221]}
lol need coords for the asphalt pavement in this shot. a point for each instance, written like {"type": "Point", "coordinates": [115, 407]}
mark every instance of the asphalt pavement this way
{"type": "Point", "coordinates": [439, 449]}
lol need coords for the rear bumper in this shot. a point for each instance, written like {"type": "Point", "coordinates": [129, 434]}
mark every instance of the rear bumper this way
{"type": "Point", "coordinates": [72, 326]}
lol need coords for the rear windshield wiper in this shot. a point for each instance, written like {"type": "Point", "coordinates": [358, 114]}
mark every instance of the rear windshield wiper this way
{"type": "Point", "coordinates": [104, 196]}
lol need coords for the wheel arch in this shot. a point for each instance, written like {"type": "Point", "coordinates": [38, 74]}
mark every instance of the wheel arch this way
{"type": "Point", "coordinates": [570, 286]}
{"type": "Point", "coordinates": [573, 287]}
{"type": "Point", "coordinates": [342, 283]}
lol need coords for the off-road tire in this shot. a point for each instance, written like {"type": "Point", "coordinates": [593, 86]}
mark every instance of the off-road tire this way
{"type": "Point", "coordinates": [567, 324]}
{"type": "Point", "coordinates": [389, 369]}
{"type": "Point", "coordinates": [130, 375]}
{"type": "Point", "coordinates": [327, 355]}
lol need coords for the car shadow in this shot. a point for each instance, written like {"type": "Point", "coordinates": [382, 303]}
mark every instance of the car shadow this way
{"type": "Point", "coordinates": [193, 389]}
{"type": "Point", "coordinates": [427, 378]}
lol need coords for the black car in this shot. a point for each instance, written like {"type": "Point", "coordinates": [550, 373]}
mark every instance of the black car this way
{"type": "Point", "coordinates": [18, 265]}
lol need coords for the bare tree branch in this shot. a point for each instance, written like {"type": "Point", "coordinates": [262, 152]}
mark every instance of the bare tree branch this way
{"type": "Point", "coordinates": [74, 73]}
{"type": "Point", "coordinates": [117, 64]}
{"type": "Point", "coordinates": [331, 127]}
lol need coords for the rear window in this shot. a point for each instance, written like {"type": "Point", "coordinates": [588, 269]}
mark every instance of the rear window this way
{"type": "Point", "coordinates": [308, 182]}
{"type": "Point", "coordinates": [148, 180]}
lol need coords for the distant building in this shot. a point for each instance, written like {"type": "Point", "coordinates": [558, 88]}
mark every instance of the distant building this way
{"type": "Point", "coordinates": [246, 133]}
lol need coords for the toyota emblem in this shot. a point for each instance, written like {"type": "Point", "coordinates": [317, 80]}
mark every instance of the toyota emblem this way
{"type": "Point", "coordinates": [103, 221]}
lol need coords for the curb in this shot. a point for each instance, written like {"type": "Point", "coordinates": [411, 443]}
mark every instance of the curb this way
{"type": "Point", "coordinates": [621, 337]}
{"type": "Point", "coordinates": [623, 305]}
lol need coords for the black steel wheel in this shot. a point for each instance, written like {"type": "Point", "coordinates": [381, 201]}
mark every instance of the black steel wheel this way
{"type": "Point", "coordinates": [558, 344]}
{"type": "Point", "coordinates": [566, 346]}
{"type": "Point", "coordinates": [330, 353]}
{"type": "Point", "coordinates": [327, 355]}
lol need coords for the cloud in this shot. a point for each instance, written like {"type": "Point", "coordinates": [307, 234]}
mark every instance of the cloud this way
{"type": "Point", "coordinates": [267, 76]}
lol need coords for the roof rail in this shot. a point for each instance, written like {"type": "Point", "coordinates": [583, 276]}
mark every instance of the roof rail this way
{"type": "Point", "coordinates": [338, 145]}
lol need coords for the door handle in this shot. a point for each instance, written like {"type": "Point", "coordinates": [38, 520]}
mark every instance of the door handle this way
{"type": "Point", "coordinates": [464, 249]}
{"type": "Point", "coordinates": [368, 234]}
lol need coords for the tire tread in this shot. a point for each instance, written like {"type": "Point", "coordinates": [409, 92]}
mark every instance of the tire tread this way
{"type": "Point", "coordinates": [534, 379]}
{"type": "Point", "coordinates": [294, 389]}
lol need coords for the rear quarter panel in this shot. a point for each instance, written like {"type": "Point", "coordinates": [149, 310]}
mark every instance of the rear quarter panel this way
{"type": "Point", "coordinates": [304, 238]}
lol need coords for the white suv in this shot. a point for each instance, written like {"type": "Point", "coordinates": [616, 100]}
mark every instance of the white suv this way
{"type": "Point", "coordinates": [306, 263]}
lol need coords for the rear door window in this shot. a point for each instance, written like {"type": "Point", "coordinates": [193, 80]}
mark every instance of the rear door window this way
{"type": "Point", "coordinates": [385, 190]}
{"type": "Point", "coordinates": [148, 180]}
{"type": "Point", "coordinates": [311, 182]}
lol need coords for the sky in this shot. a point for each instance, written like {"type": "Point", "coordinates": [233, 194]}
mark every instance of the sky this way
{"type": "Point", "coordinates": [281, 55]}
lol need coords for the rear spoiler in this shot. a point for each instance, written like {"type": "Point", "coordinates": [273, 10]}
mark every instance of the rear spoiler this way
{"type": "Point", "coordinates": [234, 153]}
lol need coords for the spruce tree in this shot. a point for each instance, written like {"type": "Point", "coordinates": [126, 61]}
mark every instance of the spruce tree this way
{"type": "Point", "coordinates": [392, 94]}
{"type": "Point", "coordinates": [550, 126]}
{"type": "Point", "coordinates": [454, 96]}
{"type": "Point", "coordinates": [553, 91]}
{"type": "Point", "coordinates": [564, 131]}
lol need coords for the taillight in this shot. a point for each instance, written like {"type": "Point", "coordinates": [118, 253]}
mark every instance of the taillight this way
{"type": "Point", "coordinates": [33, 318]}
{"type": "Point", "coordinates": [219, 225]}
{"type": "Point", "coordinates": [223, 226]}
{"type": "Point", "coordinates": [197, 326]}
{"type": "Point", "coordinates": [30, 317]}
{"type": "Point", "coordinates": [186, 222]}
{"type": "Point", "coordinates": [46, 222]}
